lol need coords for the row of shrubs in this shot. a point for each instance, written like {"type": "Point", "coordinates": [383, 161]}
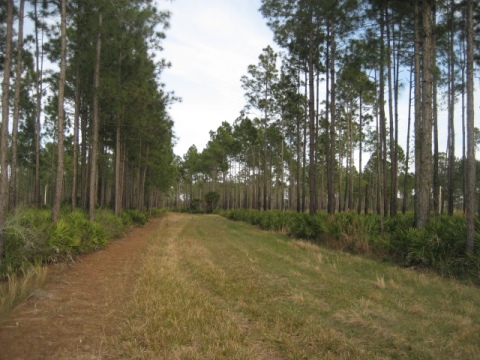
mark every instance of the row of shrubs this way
{"type": "Point", "coordinates": [31, 237]}
{"type": "Point", "coordinates": [440, 246]}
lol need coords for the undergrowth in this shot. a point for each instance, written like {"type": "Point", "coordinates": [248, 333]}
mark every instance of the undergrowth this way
{"type": "Point", "coordinates": [31, 237]}
{"type": "Point", "coordinates": [20, 286]}
{"type": "Point", "coordinates": [32, 240]}
{"type": "Point", "coordinates": [440, 246]}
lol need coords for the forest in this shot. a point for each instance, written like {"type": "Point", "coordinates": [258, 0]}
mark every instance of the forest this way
{"type": "Point", "coordinates": [323, 117]}
{"type": "Point", "coordinates": [85, 122]}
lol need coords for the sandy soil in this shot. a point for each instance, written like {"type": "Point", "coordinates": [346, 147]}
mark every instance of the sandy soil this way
{"type": "Point", "coordinates": [80, 307]}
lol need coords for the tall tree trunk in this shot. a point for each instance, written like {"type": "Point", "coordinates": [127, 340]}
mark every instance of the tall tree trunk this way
{"type": "Point", "coordinates": [407, 159]}
{"type": "Point", "coordinates": [61, 113]}
{"type": "Point", "coordinates": [331, 162]}
{"type": "Point", "coordinates": [304, 158]}
{"type": "Point", "coordinates": [76, 139]}
{"type": "Point", "coordinates": [118, 173]}
{"type": "Point", "coordinates": [470, 203]}
{"type": "Point", "coordinates": [383, 126]}
{"type": "Point", "coordinates": [436, 184]}
{"type": "Point", "coordinates": [299, 162]}
{"type": "Point", "coordinates": [38, 108]}
{"type": "Point", "coordinates": [4, 126]}
{"type": "Point", "coordinates": [395, 94]}
{"type": "Point", "coordinates": [350, 163]}
{"type": "Point", "coordinates": [424, 186]}
{"type": "Point", "coordinates": [84, 160]}
{"type": "Point", "coordinates": [282, 166]}
{"type": "Point", "coordinates": [393, 147]}
{"type": "Point", "coordinates": [451, 109]}
{"type": "Point", "coordinates": [377, 191]}
{"type": "Point", "coordinates": [311, 115]}
{"type": "Point", "coordinates": [360, 154]}
{"type": "Point", "coordinates": [96, 121]}
{"type": "Point", "coordinates": [327, 117]}
{"type": "Point", "coordinates": [16, 109]}
{"type": "Point", "coordinates": [418, 104]}
{"type": "Point", "coordinates": [464, 134]}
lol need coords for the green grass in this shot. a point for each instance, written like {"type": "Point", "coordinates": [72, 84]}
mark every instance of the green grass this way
{"type": "Point", "coordinates": [211, 288]}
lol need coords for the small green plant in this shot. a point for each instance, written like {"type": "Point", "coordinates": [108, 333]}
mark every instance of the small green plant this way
{"type": "Point", "coordinates": [64, 240]}
{"type": "Point", "coordinates": [211, 200]}
{"type": "Point", "coordinates": [133, 216]}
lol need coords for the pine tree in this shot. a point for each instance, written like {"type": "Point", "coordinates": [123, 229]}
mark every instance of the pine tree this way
{"type": "Point", "coordinates": [4, 127]}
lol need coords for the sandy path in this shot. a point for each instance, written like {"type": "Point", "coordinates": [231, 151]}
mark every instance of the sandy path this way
{"type": "Point", "coordinates": [80, 306]}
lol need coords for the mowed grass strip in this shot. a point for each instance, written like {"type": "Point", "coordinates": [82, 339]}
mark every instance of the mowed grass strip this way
{"type": "Point", "coordinates": [211, 288]}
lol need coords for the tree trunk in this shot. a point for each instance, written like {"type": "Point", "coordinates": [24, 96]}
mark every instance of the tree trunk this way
{"type": "Point", "coordinates": [38, 109]}
{"type": "Point", "coordinates": [118, 173]}
{"type": "Point", "coordinates": [282, 167]}
{"type": "Point", "coordinates": [424, 185]}
{"type": "Point", "coordinates": [395, 94]}
{"type": "Point", "coordinates": [96, 83]}
{"type": "Point", "coordinates": [4, 126]}
{"type": "Point", "coordinates": [451, 109]}
{"type": "Point", "coordinates": [304, 161]}
{"type": "Point", "coordinates": [331, 161]}
{"type": "Point", "coordinates": [393, 148]}
{"type": "Point", "coordinates": [299, 151]}
{"type": "Point", "coordinates": [470, 198]}
{"type": "Point", "coordinates": [407, 160]}
{"type": "Point", "coordinates": [360, 154]}
{"type": "Point", "coordinates": [84, 161]}
{"type": "Point", "coordinates": [16, 112]}
{"type": "Point", "coordinates": [311, 115]}
{"type": "Point", "coordinates": [383, 126]}
{"type": "Point", "coordinates": [76, 139]}
{"type": "Point", "coordinates": [61, 113]}
{"type": "Point", "coordinates": [350, 163]}
{"type": "Point", "coordinates": [436, 184]}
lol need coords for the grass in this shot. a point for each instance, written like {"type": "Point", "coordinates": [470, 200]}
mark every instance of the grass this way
{"type": "Point", "coordinates": [211, 288]}
{"type": "Point", "coordinates": [17, 287]}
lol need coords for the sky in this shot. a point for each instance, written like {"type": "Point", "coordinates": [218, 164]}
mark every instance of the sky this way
{"type": "Point", "coordinates": [210, 45]}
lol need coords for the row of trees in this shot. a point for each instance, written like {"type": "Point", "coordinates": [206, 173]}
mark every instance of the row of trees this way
{"type": "Point", "coordinates": [309, 121]}
{"type": "Point", "coordinates": [84, 115]}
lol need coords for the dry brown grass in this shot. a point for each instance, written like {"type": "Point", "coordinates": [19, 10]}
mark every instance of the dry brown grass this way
{"type": "Point", "coordinates": [19, 287]}
{"type": "Point", "coordinates": [214, 289]}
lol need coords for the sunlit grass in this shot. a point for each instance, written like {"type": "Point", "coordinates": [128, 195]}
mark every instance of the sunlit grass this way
{"type": "Point", "coordinates": [211, 288]}
{"type": "Point", "coordinates": [17, 287]}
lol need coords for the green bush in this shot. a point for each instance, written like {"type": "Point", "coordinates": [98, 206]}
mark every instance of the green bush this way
{"type": "Point", "coordinates": [133, 216]}
{"type": "Point", "coordinates": [211, 201]}
{"type": "Point", "coordinates": [156, 212]}
{"type": "Point", "coordinates": [64, 238]}
{"type": "Point", "coordinates": [31, 237]}
{"type": "Point", "coordinates": [26, 233]}
{"type": "Point", "coordinates": [111, 224]}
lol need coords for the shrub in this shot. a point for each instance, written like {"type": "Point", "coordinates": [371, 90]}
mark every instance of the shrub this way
{"type": "Point", "coordinates": [156, 212]}
{"type": "Point", "coordinates": [133, 216]}
{"type": "Point", "coordinates": [31, 237]}
{"type": "Point", "coordinates": [64, 240]}
{"type": "Point", "coordinates": [111, 224]}
{"type": "Point", "coordinates": [25, 234]}
{"type": "Point", "coordinates": [211, 200]}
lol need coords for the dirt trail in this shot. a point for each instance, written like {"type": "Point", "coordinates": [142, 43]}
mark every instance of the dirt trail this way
{"type": "Point", "coordinates": [79, 307]}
